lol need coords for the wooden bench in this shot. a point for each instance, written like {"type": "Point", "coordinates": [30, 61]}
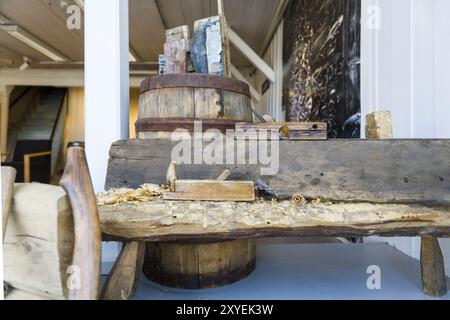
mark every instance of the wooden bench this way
{"type": "Point", "coordinates": [367, 187]}
{"type": "Point", "coordinates": [52, 247]}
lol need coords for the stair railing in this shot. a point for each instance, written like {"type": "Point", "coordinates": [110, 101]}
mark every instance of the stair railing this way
{"type": "Point", "coordinates": [27, 163]}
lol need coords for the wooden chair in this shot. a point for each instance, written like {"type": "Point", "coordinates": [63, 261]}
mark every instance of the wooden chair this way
{"type": "Point", "coordinates": [52, 246]}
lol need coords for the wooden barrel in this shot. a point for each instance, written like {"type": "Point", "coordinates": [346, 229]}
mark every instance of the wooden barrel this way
{"type": "Point", "coordinates": [199, 266]}
{"type": "Point", "coordinates": [176, 101]}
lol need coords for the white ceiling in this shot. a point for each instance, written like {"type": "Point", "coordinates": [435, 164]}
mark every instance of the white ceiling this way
{"type": "Point", "coordinates": [46, 20]}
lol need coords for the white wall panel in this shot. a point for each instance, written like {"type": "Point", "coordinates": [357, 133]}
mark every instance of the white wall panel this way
{"type": "Point", "coordinates": [405, 69]}
{"type": "Point", "coordinates": [272, 101]}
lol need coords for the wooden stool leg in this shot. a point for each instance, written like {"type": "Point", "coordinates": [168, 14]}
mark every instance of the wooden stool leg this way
{"type": "Point", "coordinates": [433, 271]}
{"type": "Point", "coordinates": [123, 279]}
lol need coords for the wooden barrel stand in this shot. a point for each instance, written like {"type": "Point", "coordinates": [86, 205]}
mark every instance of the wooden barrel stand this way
{"type": "Point", "coordinates": [199, 266]}
{"type": "Point", "coordinates": [177, 101]}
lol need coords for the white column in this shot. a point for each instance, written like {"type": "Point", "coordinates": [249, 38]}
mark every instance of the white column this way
{"type": "Point", "coordinates": [106, 82]}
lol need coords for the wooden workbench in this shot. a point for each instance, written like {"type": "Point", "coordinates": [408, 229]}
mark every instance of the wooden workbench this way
{"type": "Point", "coordinates": [368, 187]}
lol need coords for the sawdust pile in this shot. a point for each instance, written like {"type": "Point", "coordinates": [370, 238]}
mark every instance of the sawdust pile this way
{"type": "Point", "coordinates": [145, 193]}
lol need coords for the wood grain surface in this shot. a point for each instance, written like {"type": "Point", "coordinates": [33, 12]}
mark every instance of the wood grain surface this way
{"type": "Point", "coordinates": [379, 171]}
{"type": "Point", "coordinates": [87, 249]}
{"type": "Point", "coordinates": [212, 221]}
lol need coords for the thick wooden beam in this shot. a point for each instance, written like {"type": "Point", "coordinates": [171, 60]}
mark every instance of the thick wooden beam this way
{"type": "Point", "coordinates": [124, 276]}
{"type": "Point", "coordinates": [55, 77]}
{"type": "Point", "coordinates": [212, 221]}
{"type": "Point", "coordinates": [379, 171]}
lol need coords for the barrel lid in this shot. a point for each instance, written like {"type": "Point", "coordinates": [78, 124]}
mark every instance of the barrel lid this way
{"type": "Point", "coordinates": [194, 80]}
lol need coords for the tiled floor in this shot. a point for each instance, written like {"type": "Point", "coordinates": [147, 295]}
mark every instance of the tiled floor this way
{"type": "Point", "coordinates": [313, 271]}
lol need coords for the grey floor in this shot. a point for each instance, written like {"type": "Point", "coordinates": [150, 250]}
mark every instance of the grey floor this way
{"type": "Point", "coordinates": [312, 271]}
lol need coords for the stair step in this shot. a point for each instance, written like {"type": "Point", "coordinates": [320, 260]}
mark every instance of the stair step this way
{"type": "Point", "coordinates": [43, 116]}
{"type": "Point", "coordinates": [34, 136]}
{"type": "Point", "coordinates": [38, 121]}
{"type": "Point", "coordinates": [36, 129]}
{"type": "Point", "coordinates": [46, 109]}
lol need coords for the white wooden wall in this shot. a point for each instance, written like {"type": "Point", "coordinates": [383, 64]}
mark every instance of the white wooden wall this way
{"type": "Point", "coordinates": [405, 67]}
{"type": "Point", "coordinates": [272, 101]}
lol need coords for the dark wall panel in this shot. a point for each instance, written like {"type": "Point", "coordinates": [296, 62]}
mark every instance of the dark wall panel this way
{"type": "Point", "coordinates": [322, 64]}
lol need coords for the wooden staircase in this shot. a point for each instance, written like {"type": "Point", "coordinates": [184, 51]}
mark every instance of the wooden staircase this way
{"type": "Point", "coordinates": [35, 134]}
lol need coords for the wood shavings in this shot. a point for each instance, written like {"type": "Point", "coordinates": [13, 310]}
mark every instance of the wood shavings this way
{"type": "Point", "coordinates": [145, 193]}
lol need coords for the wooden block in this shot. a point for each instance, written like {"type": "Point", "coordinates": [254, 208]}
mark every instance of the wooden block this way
{"type": "Point", "coordinates": [433, 270]}
{"type": "Point", "coordinates": [177, 34]}
{"type": "Point", "coordinates": [210, 47]}
{"type": "Point", "coordinates": [124, 276]}
{"type": "Point", "coordinates": [198, 48]}
{"type": "Point", "coordinates": [226, 56]}
{"type": "Point", "coordinates": [8, 179]}
{"type": "Point", "coordinates": [212, 190]}
{"type": "Point", "coordinates": [379, 125]}
{"type": "Point", "coordinates": [176, 56]}
{"type": "Point", "coordinates": [286, 130]}
{"type": "Point", "coordinates": [39, 241]}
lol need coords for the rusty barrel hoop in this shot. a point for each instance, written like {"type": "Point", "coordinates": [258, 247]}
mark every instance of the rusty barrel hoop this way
{"type": "Point", "coordinates": [194, 80]}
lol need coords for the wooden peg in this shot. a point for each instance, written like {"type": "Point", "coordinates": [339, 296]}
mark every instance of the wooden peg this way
{"type": "Point", "coordinates": [224, 176]}
{"type": "Point", "coordinates": [171, 176]}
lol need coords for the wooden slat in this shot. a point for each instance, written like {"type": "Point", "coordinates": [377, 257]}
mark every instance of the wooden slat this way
{"type": "Point", "coordinates": [288, 130]}
{"type": "Point", "coordinates": [124, 276]}
{"type": "Point", "coordinates": [296, 126]}
{"type": "Point", "coordinates": [8, 179]}
{"type": "Point", "coordinates": [213, 190]}
{"type": "Point", "coordinates": [398, 171]}
{"type": "Point", "coordinates": [215, 221]}
{"type": "Point", "coordinates": [176, 56]}
{"type": "Point", "coordinates": [39, 241]}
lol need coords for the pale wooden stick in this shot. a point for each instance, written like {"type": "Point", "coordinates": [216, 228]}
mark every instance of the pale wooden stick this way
{"type": "Point", "coordinates": [220, 8]}
{"type": "Point", "coordinates": [8, 178]}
